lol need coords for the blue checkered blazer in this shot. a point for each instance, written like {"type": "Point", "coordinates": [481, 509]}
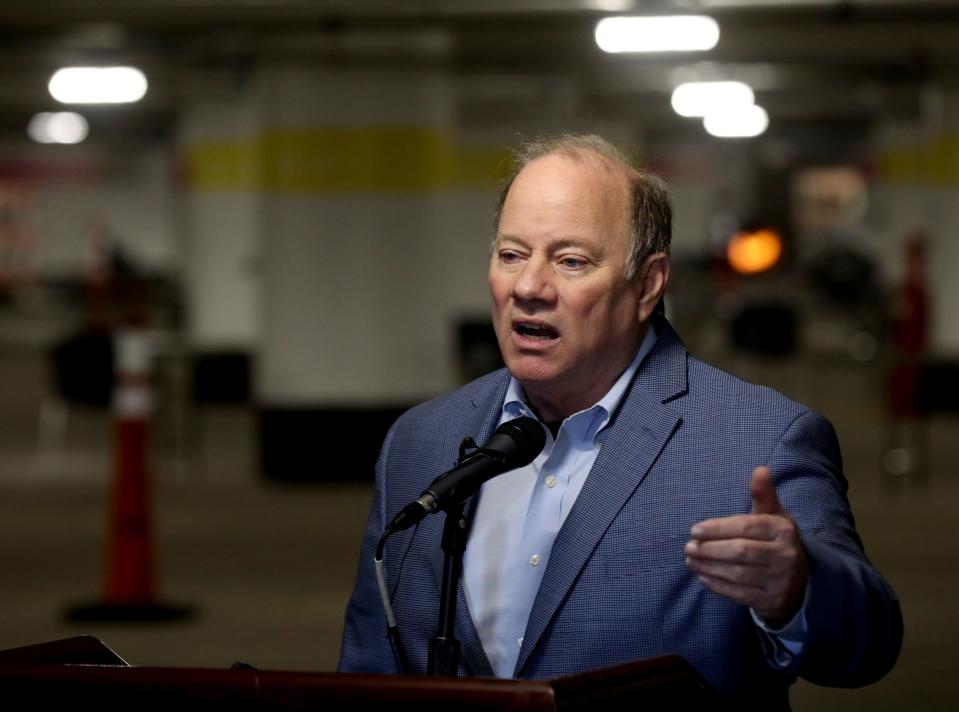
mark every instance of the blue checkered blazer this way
{"type": "Point", "coordinates": [680, 449]}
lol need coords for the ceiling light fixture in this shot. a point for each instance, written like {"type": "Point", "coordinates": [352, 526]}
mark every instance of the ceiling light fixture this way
{"type": "Point", "coordinates": [701, 98]}
{"type": "Point", "coordinates": [737, 122]}
{"type": "Point", "coordinates": [668, 33]}
{"type": "Point", "coordinates": [57, 127]}
{"type": "Point", "coordinates": [98, 85]}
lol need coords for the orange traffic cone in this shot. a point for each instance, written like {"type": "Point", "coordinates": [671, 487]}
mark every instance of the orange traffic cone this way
{"type": "Point", "coordinates": [129, 585]}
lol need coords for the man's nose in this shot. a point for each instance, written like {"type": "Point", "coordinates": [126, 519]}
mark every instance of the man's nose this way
{"type": "Point", "coordinates": [534, 282]}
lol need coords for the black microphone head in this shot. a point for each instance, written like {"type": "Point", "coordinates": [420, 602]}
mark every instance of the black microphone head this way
{"type": "Point", "coordinates": [520, 440]}
{"type": "Point", "coordinates": [516, 443]}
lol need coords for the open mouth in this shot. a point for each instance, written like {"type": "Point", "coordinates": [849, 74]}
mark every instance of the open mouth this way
{"type": "Point", "coordinates": [535, 330]}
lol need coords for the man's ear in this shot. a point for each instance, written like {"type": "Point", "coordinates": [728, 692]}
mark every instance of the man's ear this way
{"type": "Point", "coordinates": [652, 280]}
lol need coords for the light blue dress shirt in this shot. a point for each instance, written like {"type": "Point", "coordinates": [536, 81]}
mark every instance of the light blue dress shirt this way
{"type": "Point", "coordinates": [520, 513]}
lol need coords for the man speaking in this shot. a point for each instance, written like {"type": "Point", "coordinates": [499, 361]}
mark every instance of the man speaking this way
{"type": "Point", "coordinates": [674, 507]}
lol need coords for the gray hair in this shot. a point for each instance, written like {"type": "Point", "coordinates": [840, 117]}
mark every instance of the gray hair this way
{"type": "Point", "coordinates": [650, 212]}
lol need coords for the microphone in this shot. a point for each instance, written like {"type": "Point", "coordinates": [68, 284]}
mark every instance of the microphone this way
{"type": "Point", "coordinates": [516, 443]}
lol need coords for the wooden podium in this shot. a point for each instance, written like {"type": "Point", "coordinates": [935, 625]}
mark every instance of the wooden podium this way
{"type": "Point", "coordinates": [83, 672]}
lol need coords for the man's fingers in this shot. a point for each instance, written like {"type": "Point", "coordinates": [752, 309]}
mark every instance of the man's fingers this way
{"type": "Point", "coordinates": [743, 551]}
{"type": "Point", "coordinates": [746, 595]}
{"type": "Point", "coordinates": [733, 573]}
{"type": "Point", "coordinates": [740, 526]}
{"type": "Point", "coordinates": [763, 492]}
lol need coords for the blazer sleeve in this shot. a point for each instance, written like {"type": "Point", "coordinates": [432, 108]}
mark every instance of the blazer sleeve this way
{"type": "Point", "coordinates": [365, 647]}
{"type": "Point", "coordinates": [853, 616]}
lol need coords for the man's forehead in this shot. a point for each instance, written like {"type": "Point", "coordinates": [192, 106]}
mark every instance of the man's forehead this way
{"type": "Point", "coordinates": [558, 181]}
{"type": "Point", "coordinates": [554, 174]}
{"type": "Point", "coordinates": [580, 161]}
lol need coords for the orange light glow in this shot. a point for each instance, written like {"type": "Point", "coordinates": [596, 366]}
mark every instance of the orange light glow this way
{"type": "Point", "coordinates": [754, 252]}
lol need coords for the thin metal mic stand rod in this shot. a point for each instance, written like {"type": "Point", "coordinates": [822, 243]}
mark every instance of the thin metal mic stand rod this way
{"type": "Point", "coordinates": [443, 655]}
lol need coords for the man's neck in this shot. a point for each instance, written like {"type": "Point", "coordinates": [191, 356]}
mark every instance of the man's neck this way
{"type": "Point", "coordinates": [555, 412]}
{"type": "Point", "coordinates": [550, 409]}
{"type": "Point", "coordinates": [553, 427]}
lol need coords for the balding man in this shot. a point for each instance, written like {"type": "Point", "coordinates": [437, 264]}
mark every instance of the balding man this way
{"type": "Point", "coordinates": [674, 508]}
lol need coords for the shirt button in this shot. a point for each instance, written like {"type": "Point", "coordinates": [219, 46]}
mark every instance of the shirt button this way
{"type": "Point", "coordinates": [519, 642]}
{"type": "Point", "coordinates": [534, 560]}
{"type": "Point", "coordinates": [550, 481]}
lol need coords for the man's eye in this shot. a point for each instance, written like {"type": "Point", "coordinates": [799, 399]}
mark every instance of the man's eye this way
{"type": "Point", "coordinates": [572, 262]}
{"type": "Point", "coordinates": [508, 256]}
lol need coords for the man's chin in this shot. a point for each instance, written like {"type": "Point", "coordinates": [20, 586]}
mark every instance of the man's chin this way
{"type": "Point", "coordinates": [535, 381]}
{"type": "Point", "coordinates": [531, 368]}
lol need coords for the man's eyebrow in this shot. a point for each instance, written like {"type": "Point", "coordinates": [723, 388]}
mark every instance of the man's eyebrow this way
{"type": "Point", "coordinates": [558, 244]}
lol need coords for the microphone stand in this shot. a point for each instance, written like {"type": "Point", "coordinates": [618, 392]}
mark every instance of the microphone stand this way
{"type": "Point", "coordinates": [444, 649]}
{"type": "Point", "coordinates": [443, 654]}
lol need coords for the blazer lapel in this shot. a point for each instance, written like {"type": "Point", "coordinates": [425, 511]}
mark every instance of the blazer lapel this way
{"type": "Point", "coordinates": [478, 422]}
{"type": "Point", "coordinates": [639, 431]}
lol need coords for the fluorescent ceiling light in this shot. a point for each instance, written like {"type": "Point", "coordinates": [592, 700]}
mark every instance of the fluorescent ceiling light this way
{"type": "Point", "coordinates": [737, 122]}
{"type": "Point", "coordinates": [98, 85]}
{"type": "Point", "coordinates": [676, 33]}
{"type": "Point", "coordinates": [611, 5]}
{"type": "Point", "coordinates": [57, 127]}
{"type": "Point", "coordinates": [701, 98]}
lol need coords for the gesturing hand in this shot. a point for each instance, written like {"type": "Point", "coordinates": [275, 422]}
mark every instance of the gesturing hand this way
{"type": "Point", "coordinates": [754, 559]}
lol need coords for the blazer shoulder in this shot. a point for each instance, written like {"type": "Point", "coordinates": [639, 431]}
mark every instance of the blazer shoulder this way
{"type": "Point", "coordinates": [734, 410]}
{"type": "Point", "coordinates": [710, 384]}
{"type": "Point", "coordinates": [479, 393]}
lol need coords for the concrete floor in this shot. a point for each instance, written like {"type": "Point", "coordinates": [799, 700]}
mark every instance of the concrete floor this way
{"type": "Point", "coordinates": [268, 568]}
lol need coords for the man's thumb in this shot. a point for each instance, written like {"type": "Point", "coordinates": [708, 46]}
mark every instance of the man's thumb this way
{"type": "Point", "coordinates": [761, 488]}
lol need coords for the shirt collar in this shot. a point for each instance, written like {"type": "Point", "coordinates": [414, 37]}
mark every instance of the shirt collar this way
{"type": "Point", "coordinates": [515, 405]}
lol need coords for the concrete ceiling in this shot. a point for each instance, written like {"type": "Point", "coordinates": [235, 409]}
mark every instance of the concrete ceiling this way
{"type": "Point", "coordinates": [810, 61]}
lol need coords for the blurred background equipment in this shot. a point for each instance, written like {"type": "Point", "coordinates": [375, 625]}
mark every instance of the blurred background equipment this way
{"type": "Point", "coordinates": [906, 435]}
{"type": "Point", "coordinates": [767, 328]}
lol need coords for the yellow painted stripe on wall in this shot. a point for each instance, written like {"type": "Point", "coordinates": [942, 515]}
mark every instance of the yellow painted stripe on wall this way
{"type": "Point", "coordinates": [935, 162]}
{"type": "Point", "coordinates": [223, 166]}
{"type": "Point", "coordinates": [323, 160]}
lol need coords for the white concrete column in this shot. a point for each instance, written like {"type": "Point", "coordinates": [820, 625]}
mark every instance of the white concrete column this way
{"type": "Point", "coordinates": [221, 222]}
{"type": "Point", "coordinates": [356, 166]}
